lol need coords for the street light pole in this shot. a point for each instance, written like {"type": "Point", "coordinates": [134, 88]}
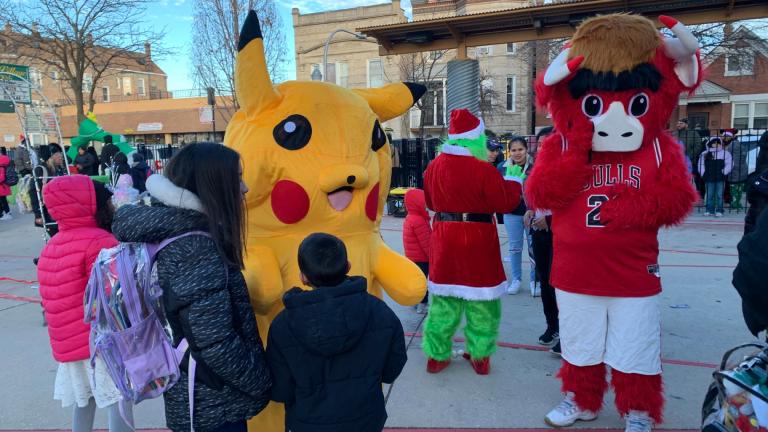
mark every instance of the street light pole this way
{"type": "Point", "coordinates": [357, 36]}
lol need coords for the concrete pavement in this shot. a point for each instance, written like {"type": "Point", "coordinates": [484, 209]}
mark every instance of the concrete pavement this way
{"type": "Point", "coordinates": [701, 314]}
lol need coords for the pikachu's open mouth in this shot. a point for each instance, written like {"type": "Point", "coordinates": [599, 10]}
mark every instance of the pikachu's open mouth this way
{"type": "Point", "coordinates": [340, 198]}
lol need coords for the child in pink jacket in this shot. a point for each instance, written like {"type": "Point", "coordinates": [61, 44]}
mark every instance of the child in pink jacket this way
{"type": "Point", "coordinates": [416, 235]}
{"type": "Point", "coordinates": [83, 211]}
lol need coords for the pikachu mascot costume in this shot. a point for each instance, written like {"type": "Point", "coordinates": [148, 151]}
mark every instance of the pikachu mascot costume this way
{"type": "Point", "coordinates": [315, 159]}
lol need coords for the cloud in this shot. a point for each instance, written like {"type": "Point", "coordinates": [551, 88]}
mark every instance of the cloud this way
{"type": "Point", "coordinates": [310, 6]}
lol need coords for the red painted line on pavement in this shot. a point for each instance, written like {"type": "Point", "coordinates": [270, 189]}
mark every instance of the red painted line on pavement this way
{"type": "Point", "coordinates": [5, 296]}
{"type": "Point", "coordinates": [541, 348]}
{"type": "Point", "coordinates": [3, 278]}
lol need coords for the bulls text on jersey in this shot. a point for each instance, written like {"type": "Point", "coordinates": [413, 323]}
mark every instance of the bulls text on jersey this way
{"type": "Point", "coordinates": [606, 175]}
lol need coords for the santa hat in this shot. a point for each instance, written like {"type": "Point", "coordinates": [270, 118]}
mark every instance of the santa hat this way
{"type": "Point", "coordinates": [730, 132]}
{"type": "Point", "coordinates": [464, 125]}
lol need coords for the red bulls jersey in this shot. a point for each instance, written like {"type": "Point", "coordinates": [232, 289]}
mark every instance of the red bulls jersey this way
{"type": "Point", "coordinates": [588, 258]}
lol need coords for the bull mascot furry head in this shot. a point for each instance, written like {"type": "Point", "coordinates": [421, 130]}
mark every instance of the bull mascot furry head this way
{"type": "Point", "coordinates": [613, 89]}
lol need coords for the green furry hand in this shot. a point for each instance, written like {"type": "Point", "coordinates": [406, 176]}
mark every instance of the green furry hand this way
{"type": "Point", "coordinates": [515, 171]}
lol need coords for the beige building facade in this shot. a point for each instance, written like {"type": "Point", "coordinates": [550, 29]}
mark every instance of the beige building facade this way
{"type": "Point", "coordinates": [505, 70]}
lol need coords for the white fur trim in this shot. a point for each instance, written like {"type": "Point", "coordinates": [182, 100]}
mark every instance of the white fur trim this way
{"type": "Point", "coordinates": [455, 150]}
{"type": "Point", "coordinates": [514, 179]}
{"type": "Point", "coordinates": [470, 134]}
{"type": "Point", "coordinates": [171, 195]}
{"type": "Point", "coordinates": [467, 292]}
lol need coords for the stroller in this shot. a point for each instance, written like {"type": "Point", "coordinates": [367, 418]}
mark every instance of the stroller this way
{"type": "Point", "coordinates": [737, 400]}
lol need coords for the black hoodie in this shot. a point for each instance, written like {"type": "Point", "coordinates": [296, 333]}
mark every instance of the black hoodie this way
{"type": "Point", "coordinates": [750, 278]}
{"type": "Point", "coordinates": [330, 350]}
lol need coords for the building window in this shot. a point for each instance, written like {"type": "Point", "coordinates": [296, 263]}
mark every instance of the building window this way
{"type": "Point", "coordinates": [511, 90]}
{"type": "Point", "coordinates": [127, 86]}
{"type": "Point", "coordinates": [484, 51]}
{"type": "Point", "coordinates": [140, 87]}
{"type": "Point", "coordinates": [105, 94]}
{"type": "Point", "coordinates": [739, 64]}
{"type": "Point", "coordinates": [433, 104]}
{"type": "Point", "coordinates": [741, 116]}
{"type": "Point", "coordinates": [342, 74]}
{"type": "Point", "coordinates": [87, 82]}
{"type": "Point", "coordinates": [487, 101]}
{"type": "Point", "coordinates": [511, 48]}
{"type": "Point", "coordinates": [36, 77]}
{"type": "Point", "coordinates": [760, 120]}
{"type": "Point", "coordinates": [375, 73]}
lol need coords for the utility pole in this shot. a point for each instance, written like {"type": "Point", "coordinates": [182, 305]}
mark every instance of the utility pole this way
{"type": "Point", "coordinates": [212, 104]}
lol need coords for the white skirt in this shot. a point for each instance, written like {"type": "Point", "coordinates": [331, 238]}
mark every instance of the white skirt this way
{"type": "Point", "coordinates": [76, 383]}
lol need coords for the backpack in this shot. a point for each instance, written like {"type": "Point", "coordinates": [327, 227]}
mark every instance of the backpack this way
{"type": "Point", "coordinates": [11, 177]}
{"type": "Point", "coordinates": [128, 325]}
{"type": "Point", "coordinates": [737, 399]}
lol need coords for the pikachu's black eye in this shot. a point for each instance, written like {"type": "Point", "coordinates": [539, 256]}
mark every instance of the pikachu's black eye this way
{"type": "Point", "coordinates": [379, 137]}
{"type": "Point", "coordinates": [293, 133]}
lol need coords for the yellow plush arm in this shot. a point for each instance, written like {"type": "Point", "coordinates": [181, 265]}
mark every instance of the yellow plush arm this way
{"type": "Point", "coordinates": [399, 277]}
{"type": "Point", "coordinates": [262, 275]}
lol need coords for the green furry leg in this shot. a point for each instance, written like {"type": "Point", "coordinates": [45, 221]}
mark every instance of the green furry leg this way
{"type": "Point", "coordinates": [443, 319]}
{"type": "Point", "coordinates": [737, 191]}
{"type": "Point", "coordinates": [482, 330]}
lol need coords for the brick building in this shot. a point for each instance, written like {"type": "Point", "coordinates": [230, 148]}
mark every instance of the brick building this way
{"type": "Point", "coordinates": [735, 90]}
{"type": "Point", "coordinates": [355, 63]}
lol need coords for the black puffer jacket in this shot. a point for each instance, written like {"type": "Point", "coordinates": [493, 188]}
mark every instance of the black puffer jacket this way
{"type": "Point", "coordinates": [329, 352]}
{"type": "Point", "coordinates": [750, 278]}
{"type": "Point", "coordinates": [207, 303]}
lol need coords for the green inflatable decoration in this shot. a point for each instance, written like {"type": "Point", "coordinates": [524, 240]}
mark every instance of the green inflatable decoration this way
{"type": "Point", "coordinates": [89, 131]}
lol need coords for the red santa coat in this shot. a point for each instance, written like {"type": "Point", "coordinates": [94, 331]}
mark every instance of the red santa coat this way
{"type": "Point", "coordinates": [465, 257]}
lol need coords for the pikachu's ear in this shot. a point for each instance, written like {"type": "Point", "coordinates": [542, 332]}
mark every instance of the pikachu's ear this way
{"type": "Point", "coordinates": [392, 100]}
{"type": "Point", "coordinates": [253, 85]}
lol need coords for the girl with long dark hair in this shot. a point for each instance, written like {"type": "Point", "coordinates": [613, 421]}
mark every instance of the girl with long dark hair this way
{"type": "Point", "coordinates": [204, 293]}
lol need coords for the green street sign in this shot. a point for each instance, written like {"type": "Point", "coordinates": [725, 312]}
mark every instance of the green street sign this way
{"type": "Point", "coordinates": [6, 107]}
{"type": "Point", "coordinates": [12, 84]}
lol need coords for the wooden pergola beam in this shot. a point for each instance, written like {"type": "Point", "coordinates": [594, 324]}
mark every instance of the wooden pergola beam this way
{"type": "Point", "coordinates": [545, 22]}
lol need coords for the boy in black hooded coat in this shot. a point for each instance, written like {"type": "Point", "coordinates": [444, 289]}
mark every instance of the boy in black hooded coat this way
{"type": "Point", "coordinates": [332, 347]}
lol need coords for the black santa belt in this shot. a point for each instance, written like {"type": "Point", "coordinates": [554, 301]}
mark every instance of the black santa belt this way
{"type": "Point", "coordinates": [464, 217]}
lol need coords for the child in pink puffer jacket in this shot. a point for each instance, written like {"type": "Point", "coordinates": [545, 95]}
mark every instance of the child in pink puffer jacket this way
{"type": "Point", "coordinates": [83, 211]}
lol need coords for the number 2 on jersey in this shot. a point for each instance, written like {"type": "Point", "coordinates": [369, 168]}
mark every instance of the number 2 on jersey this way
{"type": "Point", "coordinates": [593, 216]}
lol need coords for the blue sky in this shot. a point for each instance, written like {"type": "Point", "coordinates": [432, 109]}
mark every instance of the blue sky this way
{"type": "Point", "coordinates": [176, 16]}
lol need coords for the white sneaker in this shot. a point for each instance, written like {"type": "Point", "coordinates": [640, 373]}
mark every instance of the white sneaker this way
{"type": "Point", "coordinates": [638, 421]}
{"type": "Point", "coordinates": [513, 287]}
{"type": "Point", "coordinates": [707, 214]}
{"type": "Point", "coordinates": [535, 289]}
{"type": "Point", "coordinates": [567, 413]}
{"type": "Point", "coordinates": [718, 215]}
{"type": "Point", "coordinates": [6, 217]}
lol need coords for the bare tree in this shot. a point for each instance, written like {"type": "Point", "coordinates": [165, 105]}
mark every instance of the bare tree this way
{"type": "Point", "coordinates": [214, 43]}
{"type": "Point", "coordinates": [80, 38]}
{"type": "Point", "coordinates": [428, 69]}
{"type": "Point", "coordinates": [491, 100]}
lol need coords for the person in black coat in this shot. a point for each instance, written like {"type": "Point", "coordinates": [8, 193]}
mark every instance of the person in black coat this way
{"type": "Point", "coordinates": [332, 347]}
{"type": "Point", "coordinates": [757, 187]}
{"type": "Point", "coordinates": [205, 298]}
{"type": "Point", "coordinates": [86, 162]}
{"type": "Point", "coordinates": [108, 152]}
{"type": "Point", "coordinates": [750, 278]}
{"type": "Point", "coordinates": [139, 172]}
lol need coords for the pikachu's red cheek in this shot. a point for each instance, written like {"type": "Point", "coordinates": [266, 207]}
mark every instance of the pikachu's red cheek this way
{"type": "Point", "coordinates": [290, 202]}
{"type": "Point", "coordinates": [372, 203]}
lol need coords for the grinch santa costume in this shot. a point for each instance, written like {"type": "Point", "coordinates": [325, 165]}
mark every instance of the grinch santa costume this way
{"type": "Point", "coordinates": [466, 274]}
{"type": "Point", "coordinates": [612, 176]}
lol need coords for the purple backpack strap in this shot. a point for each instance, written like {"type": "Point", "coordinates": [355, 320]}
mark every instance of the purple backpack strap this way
{"type": "Point", "coordinates": [155, 248]}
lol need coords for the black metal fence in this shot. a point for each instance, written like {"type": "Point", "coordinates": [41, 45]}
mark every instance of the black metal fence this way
{"type": "Point", "coordinates": [411, 157]}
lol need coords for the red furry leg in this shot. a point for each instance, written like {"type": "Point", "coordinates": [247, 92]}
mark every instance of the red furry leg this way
{"type": "Point", "coordinates": [636, 392]}
{"type": "Point", "coordinates": [587, 383]}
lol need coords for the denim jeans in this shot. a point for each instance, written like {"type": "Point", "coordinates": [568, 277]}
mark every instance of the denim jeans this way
{"type": "Point", "coordinates": [715, 191]}
{"type": "Point", "coordinates": [516, 232]}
